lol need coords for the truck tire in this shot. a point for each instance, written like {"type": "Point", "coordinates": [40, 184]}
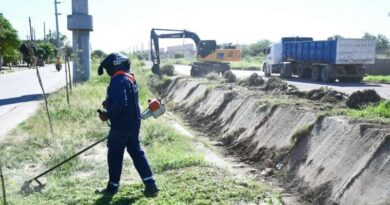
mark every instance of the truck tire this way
{"type": "Point", "coordinates": [315, 73]}
{"type": "Point", "coordinates": [267, 71]}
{"type": "Point", "coordinates": [302, 72]}
{"type": "Point", "coordinates": [286, 70]}
{"type": "Point", "coordinates": [326, 75]}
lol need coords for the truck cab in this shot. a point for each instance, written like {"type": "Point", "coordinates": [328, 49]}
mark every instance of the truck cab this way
{"type": "Point", "coordinates": [273, 59]}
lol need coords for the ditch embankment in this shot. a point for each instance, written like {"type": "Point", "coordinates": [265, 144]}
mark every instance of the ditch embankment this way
{"type": "Point", "coordinates": [326, 158]}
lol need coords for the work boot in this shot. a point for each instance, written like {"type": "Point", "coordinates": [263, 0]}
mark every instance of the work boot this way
{"type": "Point", "coordinates": [151, 190]}
{"type": "Point", "coordinates": [110, 190]}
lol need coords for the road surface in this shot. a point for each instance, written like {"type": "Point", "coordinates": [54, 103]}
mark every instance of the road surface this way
{"type": "Point", "coordinates": [305, 84]}
{"type": "Point", "coordinates": [20, 94]}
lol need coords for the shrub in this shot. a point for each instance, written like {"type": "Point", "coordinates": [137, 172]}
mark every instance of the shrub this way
{"type": "Point", "coordinates": [168, 70]}
{"type": "Point", "coordinates": [230, 77]}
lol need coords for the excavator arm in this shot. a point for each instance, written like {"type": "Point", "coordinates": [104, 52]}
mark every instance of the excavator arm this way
{"type": "Point", "coordinates": [203, 51]}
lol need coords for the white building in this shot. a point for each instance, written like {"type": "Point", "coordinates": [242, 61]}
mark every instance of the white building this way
{"type": "Point", "coordinates": [187, 50]}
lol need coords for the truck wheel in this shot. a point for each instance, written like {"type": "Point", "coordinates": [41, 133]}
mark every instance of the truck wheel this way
{"type": "Point", "coordinates": [267, 71]}
{"type": "Point", "coordinates": [286, 71]}
{"type": "Point", "coordinates": [302, 72]}
{"type": "Point", "coordinates": [315, 74]}
{"type": "Point", "coordinates": [325, 75]}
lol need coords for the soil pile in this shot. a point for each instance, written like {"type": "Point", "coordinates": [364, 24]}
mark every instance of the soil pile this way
{"type": "Point", "coordinates": [275, 84]}
{"type": "Point", "coordinates": [252, 80]}
{"type": "Point", "coordinates": [360, 99]}
{"type": "Point", "coordinates": [230, 77]}
{"type": "Point", "coordinates": [326, 95]}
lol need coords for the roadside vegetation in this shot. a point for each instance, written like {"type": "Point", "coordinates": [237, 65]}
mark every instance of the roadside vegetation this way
{"type": "Point", "coordinates": [377, 78]}
{"type": "Point", "coordinates": [248, 63]}
{"type": "Point", "coordinates": [379, 112]}
{"type": "Point", "coordinates": [183, 175]}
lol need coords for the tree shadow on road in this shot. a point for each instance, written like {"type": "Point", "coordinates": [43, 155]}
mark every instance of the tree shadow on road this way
{"type": "Point", "coordinates": [22, 99]}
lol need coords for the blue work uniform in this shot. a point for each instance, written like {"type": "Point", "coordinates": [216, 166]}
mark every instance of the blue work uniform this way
{"type": "Point", "coordinates": [124, 114]}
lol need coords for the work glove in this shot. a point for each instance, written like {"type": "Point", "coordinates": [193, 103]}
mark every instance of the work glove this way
{"type": "Point", "coordinates": [103, 116]}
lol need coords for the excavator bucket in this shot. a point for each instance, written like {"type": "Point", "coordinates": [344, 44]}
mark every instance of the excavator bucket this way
{"type": "Point", "coordinates": [156, 69]}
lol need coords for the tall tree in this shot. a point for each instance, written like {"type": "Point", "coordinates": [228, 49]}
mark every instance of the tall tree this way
{"type": "Point", "coordinates": [335, 37]}
{"type": "Point", "coordinates": [52, 38]}
{"type": "Point", "coordinates": [9, 39]}
{"type": "Point", "coordinates": [381, 40]}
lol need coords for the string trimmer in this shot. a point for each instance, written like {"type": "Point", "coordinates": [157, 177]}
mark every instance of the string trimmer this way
{"type": "Point", "coordinates": [155, 109]}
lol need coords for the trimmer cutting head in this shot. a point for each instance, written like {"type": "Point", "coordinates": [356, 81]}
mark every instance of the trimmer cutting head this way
{"type": "Point", "coordinates": [29, 188]}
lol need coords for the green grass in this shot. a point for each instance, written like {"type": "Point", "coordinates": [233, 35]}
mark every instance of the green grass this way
{"type": "Point", "coordinates": [182, 174]}
{"type": "Point", "coordinates": [248, 63]}
{"type": "Point", "coordinates": [180, 61]}
{"type": "Point", "coordinates": [379, 112]}
{"type": "Point", "coordinates": [377, 78]}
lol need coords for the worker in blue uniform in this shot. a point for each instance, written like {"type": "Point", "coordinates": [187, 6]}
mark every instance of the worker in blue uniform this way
{"type": "Point", "coordinates": [123, 112]}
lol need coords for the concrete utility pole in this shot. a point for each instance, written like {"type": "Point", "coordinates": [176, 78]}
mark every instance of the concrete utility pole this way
{"type": "Point", "coordinates": [58, 31]}
{"type": "Point", "coordinates": [31, 32]}
{"type": "Point", "coordinates": [80, 23]}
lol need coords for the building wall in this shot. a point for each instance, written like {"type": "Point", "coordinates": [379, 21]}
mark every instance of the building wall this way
{"type": "Point", "coordinates": [381, 67]}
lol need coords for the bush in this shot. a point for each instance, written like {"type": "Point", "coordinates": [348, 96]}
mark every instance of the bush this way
{"type": "Point", "coordinates": [178, 55]}
{"type": "Point", "coordinates": [168, 70]}
{"type": "Point", "coordinates": [230, 77]}
{"type": "Point", "coordinates": [98, 54]}
{"type": "Point", "coordinates": [213, 76]}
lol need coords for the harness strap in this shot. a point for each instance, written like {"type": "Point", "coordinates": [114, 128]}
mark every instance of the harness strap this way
{"type": "Point", "coordinates": [129, 76]}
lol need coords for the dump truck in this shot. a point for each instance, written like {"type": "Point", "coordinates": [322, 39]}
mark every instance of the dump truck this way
{"type": "Point", "coordinates": [325, 61]}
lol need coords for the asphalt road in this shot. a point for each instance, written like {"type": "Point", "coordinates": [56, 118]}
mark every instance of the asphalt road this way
{"type": "Point", "coordinates": [20, 94]}
{"type": "Point", "coordinates": [306, 84]}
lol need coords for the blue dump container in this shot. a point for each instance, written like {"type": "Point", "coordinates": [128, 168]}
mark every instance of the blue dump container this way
{"type": "Point", "coordinates": [341, 51]}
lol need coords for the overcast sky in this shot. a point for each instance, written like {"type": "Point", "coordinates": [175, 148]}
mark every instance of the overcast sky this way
{"type": "Point", "coordinates": [123, 24]}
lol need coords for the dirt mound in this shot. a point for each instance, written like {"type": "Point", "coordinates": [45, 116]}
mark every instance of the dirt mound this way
{"type": "Point", "coordinates": [326, 95]}
{"type": "Point", "coordinates": [230, 77]}
{"type": "Point", "coordinates": [168, 70]}
{"type": "Point", "coordinates": [252, 80]}
{"type": "Point", "coordinates": [360, 99]}
{"type": "Point", "coordinates": [275, 83]}
{"type": "Point", "coordinates": [213, 76]}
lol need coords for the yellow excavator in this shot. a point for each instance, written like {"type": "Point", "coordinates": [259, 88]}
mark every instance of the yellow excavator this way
{"type": "Point", "coordinates": [210, 56]}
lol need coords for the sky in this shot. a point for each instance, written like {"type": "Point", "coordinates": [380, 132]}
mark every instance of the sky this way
{"type": "Point", "coordinates": [124, 25]}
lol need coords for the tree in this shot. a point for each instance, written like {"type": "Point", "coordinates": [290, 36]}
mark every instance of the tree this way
{"type": "Point", "coordinates": [52, 38]}
{"type": "Point", "coordinates": [254, 49]}
{"type": "Point", "coordinates": [9, 39]}
{"type": "Point", "coordinates": [50, 50]}
{"type": "Point", "coordinates": [335, 37]}
{"type": "Point", "coordinates": [369, 36]}
{"type": "Point", "coordinates": [98, 54]}
{"type": "Point", "coordinates": [381, 40]}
